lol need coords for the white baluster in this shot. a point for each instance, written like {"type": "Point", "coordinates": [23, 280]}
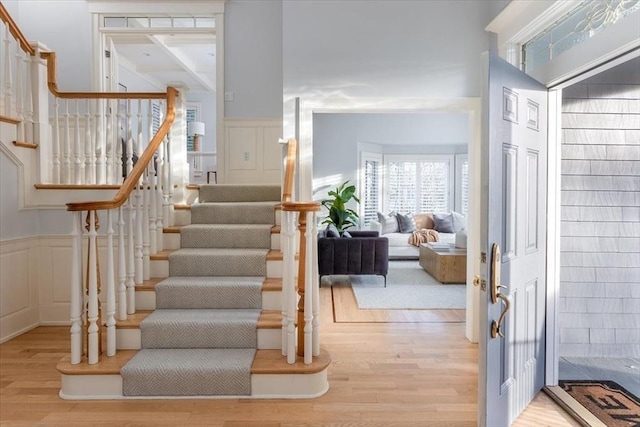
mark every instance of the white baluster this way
{"type": "Point", "coordinates": [153, 209]}
{"type": "Point", "coordinates": [7, 83]}
{"type": "Point", "coordinates": [166, 212]}
{"type": "Point", "coordinates": [159, 200]}
{"type": "Point", "coordinates": [111, 290]}
{"type": "Point", "coordinates": [146, 224]}
{"type": "Point", "coordinates": [131, 262]}
{"type": "Point", "coordinates": [130, 142]}
{"type": "Point", "coordinates": [292, 306]}
{"type": "Point", "coordinates": [66, 154]}
{"type": "Point", "coordinates": [109, 144]}
{"type": "Point", "coordinates": [286, 271]}
{"type": "Point", "coordinates": [77, 297]}
{"type": "Point", "coordinates": [100, 143]}
{"type": "Point", "coordinates": [308, 294]}
{"type": "Point", "coordinates": [78, 155]}
{"type": "Point", "coordinates": [312, 264]}
{"type": "Point", "coordinates": [122, 268]}
{"type": "Point", "coordinates": [27, 105]}
{"type": "Point", "coordinates": [92, 286]}
{"type": "Point", "coordinates": [88, 146]}
{"type": "Point", "coordinates": [56, 143]}
{"type": "Point", "coordinates": [170, 179]}
{"type": "Point", "coordinates": [139, 277]}
{"type": "Point", "coordinates": [19, 98]}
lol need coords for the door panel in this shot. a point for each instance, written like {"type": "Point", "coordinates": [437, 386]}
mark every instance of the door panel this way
{"type": "Point", "coordinates": [514, 147]}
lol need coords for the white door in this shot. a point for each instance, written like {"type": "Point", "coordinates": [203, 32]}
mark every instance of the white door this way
{"type": "Point", "coordinates": [513, 242]}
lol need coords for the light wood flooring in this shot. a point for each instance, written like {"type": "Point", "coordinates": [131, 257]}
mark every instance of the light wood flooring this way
{"type": "Point", "coordinates": [383, 374]}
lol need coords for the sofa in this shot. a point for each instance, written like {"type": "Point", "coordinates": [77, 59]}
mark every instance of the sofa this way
{"type": "Point", "coordinates": [353, 253]}
{"type": "Point", "coordinates": [399, 229]}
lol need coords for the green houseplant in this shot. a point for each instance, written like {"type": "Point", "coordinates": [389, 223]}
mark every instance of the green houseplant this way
{"type": "Point", "coordinates": [339, 215]}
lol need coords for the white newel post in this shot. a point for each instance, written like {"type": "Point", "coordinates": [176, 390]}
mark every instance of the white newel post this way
{"type": "Point", "coordinates": [92, 288]}
{"type": "Point", "coordinates": [131, 262]}
{"type": "Point", "coordinates": [290, 287]}
{"type": "Point", "coordinates": [312, 258]}
{"type": "Point", "coordinates": [284, 247]}
{"type": "Point", "coordinates": [179, 171]}
{"type": "Point", "coordinates": [40, 107]}
{"type": "Point", "coordinates": [122, 267]}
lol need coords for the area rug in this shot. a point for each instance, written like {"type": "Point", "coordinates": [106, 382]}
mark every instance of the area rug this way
{"type": "Point", "coordinates": [607, 400]}
{"type": "Point", "coordinates": [409, 287]}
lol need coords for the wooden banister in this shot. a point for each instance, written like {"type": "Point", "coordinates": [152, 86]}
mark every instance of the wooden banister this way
{"type": "Point", "coordinates": [53, 86]}
{"type": "Point", "coordinates": [15, 31]}
{"type": "Point", "coordinates": [290, 165]}
{"type": "Point", "coordinates": [143, 161]}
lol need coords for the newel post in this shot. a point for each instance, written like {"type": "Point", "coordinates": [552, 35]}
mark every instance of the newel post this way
{"type": "Point", "coordinates": [40, 108]}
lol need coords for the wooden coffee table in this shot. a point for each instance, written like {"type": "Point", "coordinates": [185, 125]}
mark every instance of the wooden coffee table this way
{"type": "Point", "coordinates": [448, 266]}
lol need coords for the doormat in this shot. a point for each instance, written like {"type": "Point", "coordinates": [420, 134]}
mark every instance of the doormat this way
{"type": "Point", "coordinates": [607, 400]}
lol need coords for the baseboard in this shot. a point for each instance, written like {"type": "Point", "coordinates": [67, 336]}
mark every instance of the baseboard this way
{"type": "Point", "coordinates": [20, 332]}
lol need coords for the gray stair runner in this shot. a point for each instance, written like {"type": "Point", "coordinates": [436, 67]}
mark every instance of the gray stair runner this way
{"type": "Point", "coordinates": [202, 338]}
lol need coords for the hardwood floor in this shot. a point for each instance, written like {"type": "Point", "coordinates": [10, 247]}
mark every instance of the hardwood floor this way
{"type": "Point", "coordinates": [383, 374]}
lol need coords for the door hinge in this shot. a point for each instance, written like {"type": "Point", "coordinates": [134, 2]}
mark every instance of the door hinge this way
{"type": "Point", "coordinates": [483, 257]}
{"type": "Point", "coordinates": [107, 54]}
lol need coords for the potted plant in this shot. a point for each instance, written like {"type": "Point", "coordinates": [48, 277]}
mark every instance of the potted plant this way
{"type": "Point", "coordinates": [339, 215]}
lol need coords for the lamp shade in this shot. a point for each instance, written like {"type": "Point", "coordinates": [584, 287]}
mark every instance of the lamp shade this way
{"type": "Point", "coordinates": [195, 128]}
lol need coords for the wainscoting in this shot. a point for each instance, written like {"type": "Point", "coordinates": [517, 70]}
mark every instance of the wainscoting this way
{"type": "Point", "coordinates": [251, 152]}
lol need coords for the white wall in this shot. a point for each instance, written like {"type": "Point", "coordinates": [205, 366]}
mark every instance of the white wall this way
{"type": "Point", "coordinates": [253, 58]}
{"type": "Point", "coordinates": [64, 26]}
{"type": "Point", "coordinates": [338, 137]}
{"type": "Point", "coordinates": [356, 48]}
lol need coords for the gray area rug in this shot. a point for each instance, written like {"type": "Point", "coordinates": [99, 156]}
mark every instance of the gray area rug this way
{"type": "Point", "coordinates": [409, 287]}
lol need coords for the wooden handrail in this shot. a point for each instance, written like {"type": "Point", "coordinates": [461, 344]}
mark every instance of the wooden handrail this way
{"type": "Point", "coordinates": [53, 86]}
{"type": "Point", "coordinates": [132, 179]}
{"type": "Point", "coordinates": [289, 169]}
{"type": "Point", "coordinates": [15, 31]}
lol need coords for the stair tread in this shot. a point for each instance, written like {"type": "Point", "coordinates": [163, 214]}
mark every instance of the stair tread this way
{"type": "Point", "coordinates": [162, 255]}
{"type": "Point", "coordinates": [149, 285]}
{"type": "Point", "coordinates": [275, 229]}
{"type": "Point", "coordinates": [268, 319]}
{"type": "Point", "coordinates": [265, 362]}
{"type": "Point", "coordinates": [181, 207]}
{"type": "Point", "coordinates": [270, 284]}
{"type": "Point", "coordinates": [172, 229]}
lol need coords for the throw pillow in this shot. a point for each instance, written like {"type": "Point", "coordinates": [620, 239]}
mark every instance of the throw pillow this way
{"type": "Point", "coordinates": [459, 221]}
{"type": "Point", "coordinates": [406, 223]}
{"type": "Point", "coordinates": [443, 223]}
{"type": "Point", "coordinates": [346, 234]}
{"type": "Point", "coordinates": [389, 222]}
{"type": "Point", "coordinates": [424, 220]}
{"type": "Point", "coordinates": [332, 231]}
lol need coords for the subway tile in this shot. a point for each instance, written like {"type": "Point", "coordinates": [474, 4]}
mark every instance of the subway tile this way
{"type": "Point", "coordinates": [581, 320]}
{"type": "Point", "coordinates": [613, 106]}
{"type": "Point", "coordinates": [604, 305]}
{"type": "Point", "coordinates": [600, 121]}
{"type": "Point", "coordinates": [590, 244]}
{"type": "Point", "coordinates": [574, 335]}
{"type": "Point", "coordinates": [589, 228]}
{"type": "Point", "coordinates": [576, 305]}
{"type": "Point", "coordinates": [572, 289]}
{"type": "Point", "coordinates": [622, 152]}
{"type": "Point", "coordinates": [580, 90]}
{"type": "Point", "coordinates": [631, 305]}
{"type": "Point", "coordinates": [616, 91]}
{"type": "Point", "coordinates": [599, 350]}
{"type": "Point", "coordinates": [575, 167]}
{"type": "Point", "coordinates": [629, 229]}
{"type": "Point", "coordinates": [626, 183]}
{"type": "Point", "coordinates": [630, 213]}
{"type": "Point", "coordinates": [617, 274]}
{"type": "Point", "coordinates": [602, 336]}
{"type": "Point", "coordinates": [627, 336]}
{"type": "Point", "coordinates": [578, 274]}
{"type": "Point", "coordinates": [597, 198]}
{"type": "Point", "coordinates": [608, 213]}
{"type": "Point", "coordinates": [632, 137]}
{"type": "Point", "coordinates": [606, 167]}
{"type": "Point", "coordinates": [588, 182]}
{"type": "Point", "coordinates": [620, 259]}
{"type": "Point", "coordinates": [621, 290]}
{"type": "Point", "coordinates": [584, 152]}
{"type": "Point", "coordinates": [597, 136]}
{"type": "Point", "coordinates": [629, 244]}
{"type": "Point", "coordinates": [572, 259]}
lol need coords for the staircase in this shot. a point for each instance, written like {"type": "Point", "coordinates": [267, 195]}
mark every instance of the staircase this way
{"type": "Point", "coordinates": [209, 323]}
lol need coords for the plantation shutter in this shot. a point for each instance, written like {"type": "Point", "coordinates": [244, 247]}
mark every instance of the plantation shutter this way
{"type": "Point", "coordinates": [370, 198]}
{"type": "Point", "coordinates": [156, 115]}
{"type": "Point", "coordinates": [434, 186]}
{"type": "Point", "coordinates": [401, 186]}
{"type": "Point", "coordinates": [464, 208]}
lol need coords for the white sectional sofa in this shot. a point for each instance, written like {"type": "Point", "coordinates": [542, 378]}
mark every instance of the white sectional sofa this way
{"type": "Point", "coordinates": [399, 246]}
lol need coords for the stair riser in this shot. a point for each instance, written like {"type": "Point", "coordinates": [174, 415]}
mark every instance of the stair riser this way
{"type": "Point", "coordinates": [146, 300]}
{"type": "Point", "coordinates": [239, 193]}
{"type": "Point", "coordinates": [171, 241]}
{"type": "Point", "coordinates": [181, 217]}
{"type": "Point", "coordinates": [263, 386]}
{"type": "Point", "coordinates": [160, 268]}
{"type": "Point", "coordinates": [131, 339]}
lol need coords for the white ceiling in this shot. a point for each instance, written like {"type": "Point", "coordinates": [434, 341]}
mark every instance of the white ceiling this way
{"type": "Point", "coordinates": [168, 56]}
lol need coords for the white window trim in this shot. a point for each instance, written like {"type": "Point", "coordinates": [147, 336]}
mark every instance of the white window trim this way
{"type": "Point", "coordinates": [364, 157]}
{"type": "Point", "coordinates": [460, 159]}
{"type": "Point", "coordinates": [418, 158]}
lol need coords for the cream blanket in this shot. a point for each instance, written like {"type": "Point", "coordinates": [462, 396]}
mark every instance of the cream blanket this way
{"type": "Point", "coordinates": [422, 236]}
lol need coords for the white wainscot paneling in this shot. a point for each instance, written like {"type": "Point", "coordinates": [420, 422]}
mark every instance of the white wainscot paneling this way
{"type": "Point", "coordinates": [18, 287]}
{"type": "Point", "coordinates": [252, 153]}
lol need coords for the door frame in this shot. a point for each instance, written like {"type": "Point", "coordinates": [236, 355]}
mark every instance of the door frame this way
{"type": "Point", "coordinates": [307, 107]}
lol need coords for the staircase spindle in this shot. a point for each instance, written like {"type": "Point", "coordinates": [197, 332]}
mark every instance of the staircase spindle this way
{"type": "Point", "coordinates": [92, 288]}
{"type": "Point", "coordinates": [111, 290]}
{"type": "Point", "coordinates": [169, 180]}
{"type": "Point", "coordinates": [138, 207]}
{"type": "Point", "coordinates": [312, 266]}
{"type": "Point", "coordinates": [153, 209]}
{"type": "Point", "coordinates": [66, 154]}
{"type": "Point", "coordinates": [109, 144]}
{"type": "Point", "coordinates": [57, 175]}
{"type": "Point", "coordinates": [308, 280]}
{"type": "Point", "coordinates": [19, 98]}
{"type": "Point", "coordinates": [78, 154]}
{"type": "Point", "coordinates": [77, 305]}
{"type": "Point", "coordinates": [28, 100]}
{"type": "Point", "coordinates": [131, 260]}
{"type": "Point", "coordinates": [290, 286]}
{"type": "Point", "coordinates": [7, 83]}
{"type": "Point", "coordinates": [146, 225]}
{"type": "Point", "coordinates": [166, 212]}
{"type": "Point", "coordinates": [122, 267]}
{"type": "Point", "coordinates": [100, 144]}
{"type": "Point", "coordinates": [88, 146]}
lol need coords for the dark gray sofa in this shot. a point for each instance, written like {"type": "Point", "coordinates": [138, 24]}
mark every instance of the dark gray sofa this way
{"type": "Point", "coordinates": [363, 253]}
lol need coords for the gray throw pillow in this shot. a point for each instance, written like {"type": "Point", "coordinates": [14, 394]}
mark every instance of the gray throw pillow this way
{"type": "Point", "coordinates": [346, 234]}
{"type": "Point", "coordinates": [389, 223]}
{"type": "Point", "coordinates": [332, 231]}
{"type": "Point", "coordinates": [459, 221]}
{"type": "Point", "coordinates": [406, 223]}
{"type": "Point", "coordinates": [443, 223]}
